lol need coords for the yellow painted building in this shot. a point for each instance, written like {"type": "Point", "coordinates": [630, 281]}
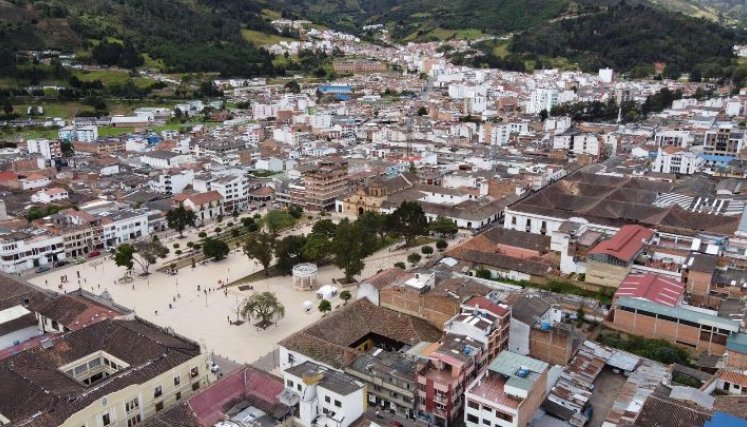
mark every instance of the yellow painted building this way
{"type": "Point", "coordinates": [114, 373]}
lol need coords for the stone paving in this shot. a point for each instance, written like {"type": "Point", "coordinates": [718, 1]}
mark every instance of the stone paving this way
{"type": "Point", "coordinates": [206, 315]}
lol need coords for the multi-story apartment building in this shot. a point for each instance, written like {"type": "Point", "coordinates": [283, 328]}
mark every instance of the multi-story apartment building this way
{"type": "Point", "coordinates": [485, 322]}
{"type": "Point", "coordinates": [322, 397]}
{"type": "Point", "coordinates": [114, 373]}
{"type": "Point", "coordinates": [723, 141]}
{"type": "Point", "coordinates": [123, 226]}
{"type": "Point", "coordinates": [172, 182]}
{"type": "Point", "coordinates": [677, 160]}
{"type": "Point", "coordinates": [542, 99]}
{"type": "Point", "coordinates": [78, 133]}
{"type": "Point", "coordinates": [675, 138]}
{"type": "Point", "coordinates": [390, 380]}
{"type": "Point", "coordinates": [48, 149]}
{"type": "Point", "coordinates": [507, 393]}
{"type": "Point", "coordinates": [234, 189]}
{"type": "Point", "coordinates": [324, 184]}
{"type": "Point", "coordinates": [443, 378]}
{"type": "Point", "coordinates": [22, 250]}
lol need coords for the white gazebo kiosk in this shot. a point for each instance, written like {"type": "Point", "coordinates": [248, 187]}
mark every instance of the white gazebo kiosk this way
{"type": "Point", "coordinates": [305, 276]}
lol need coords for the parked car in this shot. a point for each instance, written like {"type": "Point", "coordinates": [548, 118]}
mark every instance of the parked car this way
{"type": "Point", "coordinates": [43, 268]}
{"type": "Point", "coordinates": [79, 260]}
{"type": "Point", "coordinates": [94, 254]}
{"type": "Point", "coordinates": [61, 263]}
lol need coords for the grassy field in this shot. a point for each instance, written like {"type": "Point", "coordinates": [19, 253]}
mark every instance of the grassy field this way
{"type": "Point", "coordinates": [445, 34]}
{"type": "Point", "coordinates": [501, 48]}
{"type": "Point", "coordinates": [270, 14]}
{"type": "Point", "coordinates": [259, 38]}
{"type": "Point", "coordinates": [111, 77]}
{"type": "Point", "coordinates": [153, 64]}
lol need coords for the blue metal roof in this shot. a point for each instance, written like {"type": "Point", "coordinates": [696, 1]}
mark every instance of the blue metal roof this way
{"type": "Point", "coordinates": [737, 342]}
{"type": "Point", "coordinates": [722, 419]}
{"type": "Point", "coordinates": [717, 158]}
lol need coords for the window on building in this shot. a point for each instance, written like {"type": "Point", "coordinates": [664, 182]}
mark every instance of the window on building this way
{"type": "Point", "coordinates": [196, 386]}
{"type": "Point", "coordinates": [504, 416]}
{"type": "Point", "coordinates": [132, 405]}
{"type": "Point", "coordinates": [338, 403]}
{"type": "Point", "coordinates": [327, 399]}
{"type": "Point", "coordinates": [486, 421]}
{"type": "Point", "coordinates": [177, 380]}
{"type": "Point", "coordinates": [106, 419]}
{"type": "Point", "coordinates": [159, 406]}
{"type": "Point", "coordinates": [158, 391]}
{"type": "Point", "coordinates": [472, 419]}
{"type": "Point", "coordinates": [194, 372]}
{"type": "Point", "coordinates": [472, 404]}
{"type": "Point", "coordinates": [134, 421]}
{"type": "Point", "coordinates": [178, 395]}
{"type": "Point", "coordinates": [298, 386]}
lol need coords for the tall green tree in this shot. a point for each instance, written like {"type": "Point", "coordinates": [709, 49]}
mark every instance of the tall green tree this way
{"type": "Point", "coordinates": [375, 222]}
{"type": "Point", "coordinates": [316, 248]}
{"type": "Point", "coordinates": [215, 248]}
{"type": "Point", "coordinates": [409, 220]}
{"type": "Point", "coordinates": [124, 255]}
{"type": "Point", "coordinates": [348, 249]}
{"type": "Point", "coordinates": [325, 227]}
{"type": "Point", "coordinates": [263, 306]}
{"type": "Point", "coordinates": [289, 252]}
{"type": "Point", "coordinates": [443, 226]}
{"type": "Point", "coordinates": [179, 218]}
{"type": "Point", "coordinates": [259, 246]}
{"type": "Point", "coordinates": [148, 252]}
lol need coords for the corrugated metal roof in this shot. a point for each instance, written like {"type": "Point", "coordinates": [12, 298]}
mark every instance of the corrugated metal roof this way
{"type": "Point", "coordinates": [679, 313]}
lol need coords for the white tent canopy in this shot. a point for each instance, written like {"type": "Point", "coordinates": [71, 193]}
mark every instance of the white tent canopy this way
{"type": "Point", "coordinates": [327, 292]}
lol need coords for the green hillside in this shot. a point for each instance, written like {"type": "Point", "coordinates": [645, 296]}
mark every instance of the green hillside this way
{"type": "Point", "coordinates": [623, 34]}
{"type": "Point", "coordinates": [632, 38]}
{"type": "Point", "coordinates": [187, 35]}
{"type": "Point", "coordinates": [408, 17]}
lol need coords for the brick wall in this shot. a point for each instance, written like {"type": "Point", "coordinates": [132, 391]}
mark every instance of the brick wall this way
{"type": "Point", "coordinates": [436, 309]}
{"type": "Point", "coordinates": [553, 346]}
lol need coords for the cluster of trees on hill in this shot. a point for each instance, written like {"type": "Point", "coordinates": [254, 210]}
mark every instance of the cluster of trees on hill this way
{"type": "Point", "coordinates": [631, 38]}
{"type": "Point", "coordinates": [199, 36]}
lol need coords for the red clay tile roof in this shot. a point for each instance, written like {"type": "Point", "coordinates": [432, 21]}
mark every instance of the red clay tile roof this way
{"type": "Point", "coordinates": [329, 340]}
{"type": "Point", "coordinates": [653, 287]}
{"type": "Point", "coordinates": [733, 377]}
{"type": "Point", "coordinates": [209, 406]}
{"type": "Point", "coordinates": [8, 176]}
{"type": "Point", "coordinates": [486, 304]}
{"type": "Point", "coordinates": [199, 198]}
{"type": "Point", "coordinates": [625, 244]}
{"type": "Point", "coordinates": [387, 277]}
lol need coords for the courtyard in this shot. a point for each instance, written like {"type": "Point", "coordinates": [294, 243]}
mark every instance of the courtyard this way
{"type": "Point", "coordinates": [207, 315]}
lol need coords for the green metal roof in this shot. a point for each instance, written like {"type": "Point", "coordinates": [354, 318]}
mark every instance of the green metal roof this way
{"type": "Point", "coordinates": [679, 313]}
{"type": "Point", "coordinates": [508, 363]}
